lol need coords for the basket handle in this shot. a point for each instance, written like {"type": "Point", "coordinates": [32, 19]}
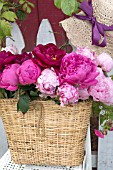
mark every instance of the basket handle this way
{"type": "Point", "coordinates": [41, 119]}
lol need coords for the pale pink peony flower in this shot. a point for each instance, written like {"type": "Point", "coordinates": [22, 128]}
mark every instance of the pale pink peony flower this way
{"type": "Point", "coordinates": [105, 61]}
{"type": "Point", "coordinates": [83, 94]}
{"type": "Point", "coordinates": [103, 90]}
{"type": "Point", "coordinates": [100, 71]}
{"type": "Point", "coordinates": [9, 79]}
{"type": "Point", "coordinates": [47, 83]}
{"type": "Point", "coordinates": [68, 94]}
{"type": "Point", "coordinates": [87, 53]}
{"type": "Point", "coordinates": [99, 133]}
{"type": "Point", "coordinates": [11, 49]}
{"type": "Point", "coordinates": [28, 72]}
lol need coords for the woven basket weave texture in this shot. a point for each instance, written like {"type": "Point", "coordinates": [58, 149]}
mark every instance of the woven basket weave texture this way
{"type": "Point", "coordinates": [47, 134]}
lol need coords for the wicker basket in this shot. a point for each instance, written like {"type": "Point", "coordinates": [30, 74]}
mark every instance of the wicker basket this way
{"type": "Point", "coordinates": [47, 134]}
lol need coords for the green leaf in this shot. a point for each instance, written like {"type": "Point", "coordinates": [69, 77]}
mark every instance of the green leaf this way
{"type": "Point", "coordinates": [80, 0]}
{"type": "Point", "coordinates": [23, 103]}
{"type": "Point", "coordinates": [21, 15]}
{"type": "Point", "coordinates": [24, 7]}
{"type": "Point", "coordinates": [57, 3]}
{"type": "Point", "coordinates": [28, 10]}
{"type": "Point", "coordinates": [33, 94]}
{"type": "Point", "coordinates": [31, 4]}
{"type": "Point", "coordinates": [1, 32]}
{"type": "Point", "coordinates": [5, 27]}
{"type": "Point", "coordinates": [96, 108]}
{"type": "Point", "coordinates": [77, 5]}
{"type": "Point", "coordinates": [111, 115]}
{"type": "Point", "coordinates": [26, 87]}
{"type": "Point", "coordinates": [68, 6]}
{"type": "Point", "coordinates": [1, 5]}
{"type": "Point", "coordinates": [22, 1]}
{"type": "Point", "coordinates": [9, 15]}
{"type": "Point", "coordinates": [102, 119]}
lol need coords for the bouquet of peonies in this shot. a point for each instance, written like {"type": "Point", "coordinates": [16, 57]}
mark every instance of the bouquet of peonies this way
{"type": "Point", "coordinates": [48, 73]}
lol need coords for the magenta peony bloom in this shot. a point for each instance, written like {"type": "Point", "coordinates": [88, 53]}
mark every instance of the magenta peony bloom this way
{"type": "Point", "coordinates": [105, 61]}
{"type": "Point", "coordinates": [99, 133]}
{"type": "Point", "coordinates": [68, 94]}
{"type": "Point", "coordinates": [83, 93]}
{"type": "Point", "coordinates": [87, 53]}
{"type": "Point", "coordinates": [12, 49]}
{"type": "Point", "coordinates": [47, 83]}
{"type": "Point", "coordinates": [9, 79]}
{"type": "Point", "coordinates": [28, 72]}
{"type": "Point", "coordinates": [78, 70]}
{"type": "Point", "coordinates": [48, 55]}
{"type": "Point", "coordinates": [103, 90]}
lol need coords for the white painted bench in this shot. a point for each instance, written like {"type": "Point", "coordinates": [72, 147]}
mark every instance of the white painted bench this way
{"type": "Point", "coordinates": [44, 36]}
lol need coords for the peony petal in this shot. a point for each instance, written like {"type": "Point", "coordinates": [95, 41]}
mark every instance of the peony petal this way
{"type": "Point", "coordinates": [99, 133]}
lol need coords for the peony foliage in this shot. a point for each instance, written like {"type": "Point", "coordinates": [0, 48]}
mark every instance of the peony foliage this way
{"type": "Point", "coordinates": [68, 7]}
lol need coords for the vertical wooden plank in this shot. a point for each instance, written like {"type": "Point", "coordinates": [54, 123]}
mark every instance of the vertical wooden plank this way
{"type": "Point", "coordinates": [3, 140]}
{"type": "Point", "coordinates": [88, 150]}
{"type": "Point", "coordinates": [105, 149]}
{"type": "Point", "coordinates": [105, 152]}
{"type": "Point", "coordinates": [47, 10]}
{"type": "Point", "coordinates": [45, 34]}
{"type": "Point", "coordinates": [17, 38]}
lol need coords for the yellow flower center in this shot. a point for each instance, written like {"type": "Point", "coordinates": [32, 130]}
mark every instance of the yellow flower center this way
{"type": "Point", "coordinates": [54, 57]}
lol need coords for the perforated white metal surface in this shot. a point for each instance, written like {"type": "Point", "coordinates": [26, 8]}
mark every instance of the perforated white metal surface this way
{"type": "Point", "coordinates": [7, 164]}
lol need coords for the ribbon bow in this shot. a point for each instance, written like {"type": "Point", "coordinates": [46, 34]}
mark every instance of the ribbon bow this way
{"type": "Point", "coordinates": [98, 29]}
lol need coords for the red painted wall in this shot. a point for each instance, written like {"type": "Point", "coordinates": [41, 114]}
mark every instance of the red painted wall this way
{"type": "Point", "coordinates": [43, 9]}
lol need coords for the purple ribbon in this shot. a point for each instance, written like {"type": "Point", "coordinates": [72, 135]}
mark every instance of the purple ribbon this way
{"type": "Point", "coordinates": [98, 29]}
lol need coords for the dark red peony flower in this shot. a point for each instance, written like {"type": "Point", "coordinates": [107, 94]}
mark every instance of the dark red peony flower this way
{"type": "Point", "coordinates": [7, 58]}
{"type": "Point", "coordinates": [20, 58]}
{"type": "Point", "coordinates": [48, 55]}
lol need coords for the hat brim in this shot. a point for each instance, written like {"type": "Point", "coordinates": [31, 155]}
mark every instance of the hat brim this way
{"type": "Point", "coordinates": [80, 35]}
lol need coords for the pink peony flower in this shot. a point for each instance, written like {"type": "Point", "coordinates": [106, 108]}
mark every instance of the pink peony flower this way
{"type": "Point", "coordinates": [68, 94]}
{"type": "Point", "coordinates": [99, 133]}
{"type": "Point", "coordinates": [12, 49]}
{"type": "Point", "coordinates": [87, 53]}
{"type": "Point", "coordinates": [105, 61]}
{"type": "Point", "coordinates": [9, 79]}
{"type": "Point", "coordinates": [28, 72]}
{"type": "Point", "coordinates": [83, 94]}
{"type": "Point", "coordinates": [47, 82]}
{"type": "Point", "coordinates": [103, 90]}
{"type": "Point", "coordinates": [48, 55]}
{"type": "Point", "coordinates": [78, 70]}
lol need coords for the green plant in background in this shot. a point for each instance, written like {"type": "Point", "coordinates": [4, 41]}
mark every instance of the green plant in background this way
{"type": "Point", "coordinates": [10, 11]}
{"type": "Point", "coordinates": [68, 7]}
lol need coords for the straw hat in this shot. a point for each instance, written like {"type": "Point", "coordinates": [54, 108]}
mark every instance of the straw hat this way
{"type": "Point", "coordinates": [79, 32]}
